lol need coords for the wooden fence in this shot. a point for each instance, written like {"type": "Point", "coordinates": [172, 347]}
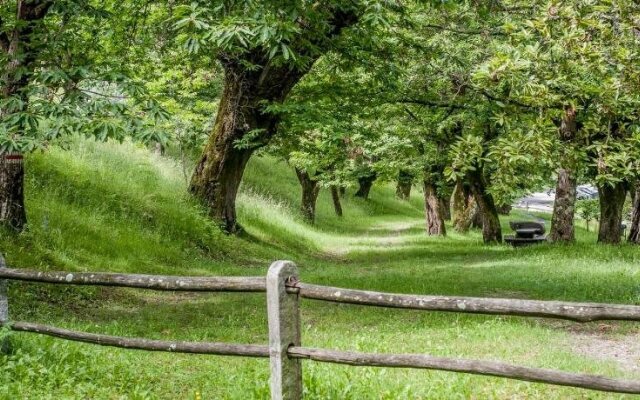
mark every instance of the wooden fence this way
{"type": "Point", "coordinates": [284, 289]}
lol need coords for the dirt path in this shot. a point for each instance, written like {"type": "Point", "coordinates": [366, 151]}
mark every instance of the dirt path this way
{"type": "Point", "coordinates": [623, 350]}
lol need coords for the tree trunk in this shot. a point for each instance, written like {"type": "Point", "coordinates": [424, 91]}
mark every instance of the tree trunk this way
{"type": "Point", "coordinates": [310, 191]}
{"type": "Point", "coordinates": [491, 230]}
{"type": "Point", "coordinates": [564, 205]}
{"type": "Point", "coordinates": [364, 185]}
{"type": "Point", "coordinates": [217, 176]}
{"type": "Point", "coordinates": [634, 229]}
{"type": "Point", "coordinates": [343, 191]}
{"type": "Point", "coordinates": [465, 209]}
{"type": "Point", "coordinates": [458, 204]}
{"type": "Point", "coordinates": [505, 209]}
{"type": "Point", "coordinates": [403, 187]}
{"type": "Point", "coordinates": [564, 208]}
{"type": "Point", "coordinates": [476, 216]}
{"type": "Point", "coordinates": [335, 196]}
{"type": "Point", "coordinates": [12, 210]}
{"type": "Point", "coordinates": [433, 211]}
{"type": "Point", "coordinates": [445, 206]}
{"type": "Point", "coordinates": [611, 204]}
{"type": "Point", "coordinates": [19, 48]}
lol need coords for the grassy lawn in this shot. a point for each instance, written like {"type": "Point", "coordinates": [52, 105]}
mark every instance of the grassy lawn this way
{"type": "Point", "coordinates": [108, 207]}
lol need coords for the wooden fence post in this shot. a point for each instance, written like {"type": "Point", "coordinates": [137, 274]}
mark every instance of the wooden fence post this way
{"type": "Point", "coordinates": [4, 307]}
{"type": "Point", "coordinates": [284, 331]}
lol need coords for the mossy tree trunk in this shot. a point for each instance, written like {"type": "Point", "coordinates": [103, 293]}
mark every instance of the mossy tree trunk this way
{"type": "Point", "coordinates": [611, 198]}
{"type": "Point", "coordinates": [217, 176]}
{"type": "Point", "coordinates": [310, 191]}
{"type": "Point", "coordinates": [491, 230]}
{"type": "Point", "coordinates": [242, 125]}
{"type": "Point", "coordinates": [465, 209]}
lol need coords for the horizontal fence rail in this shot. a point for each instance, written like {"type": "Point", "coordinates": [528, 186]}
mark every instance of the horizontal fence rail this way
{"type": "Point", "coordinates": [579, 312]}
{"type": "Point", "coordinates": [477, 367]}
{"type": "Point", "coordinates": [139, 281]}
{"type": "Point", "coordinates": [285, 351]}
{"type": "Point", "coordinates": [222, 349]}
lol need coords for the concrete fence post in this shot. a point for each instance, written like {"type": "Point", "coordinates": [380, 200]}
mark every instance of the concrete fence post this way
{"type": "Point", "coordinates": [284, 331]}
{"type": "Point", "coordinates": [4, 307]}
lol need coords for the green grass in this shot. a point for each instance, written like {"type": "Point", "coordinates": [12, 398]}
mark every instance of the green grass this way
{"type": "Point", "coordinates": [110, 207]}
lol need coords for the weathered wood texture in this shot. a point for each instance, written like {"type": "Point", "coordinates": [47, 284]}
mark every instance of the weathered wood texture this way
{"type": "Point", "coordinates": [285, 351]}
{"type": "Point", "coordinates": [491, 368]}
{"type": "Point", "coordinates": [4, 307]}
{"type": "Point", "coordinates": [224, 349]}
{"type": "Point", "coordinates": [4, 302]}
{"type": "Point", "coordinates": [153, 282]}
{"type": "Point", "coordinates": [580, 312]}
{"type": "Point", "coordinates": [284, 331]}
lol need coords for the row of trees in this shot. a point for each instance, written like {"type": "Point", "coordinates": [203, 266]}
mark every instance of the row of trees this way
{"type": "Point", "coordinates": [477, 102]}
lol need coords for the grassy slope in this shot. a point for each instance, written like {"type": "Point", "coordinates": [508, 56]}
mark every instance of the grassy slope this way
{"type": "Point", "coordinates": [117, 208]}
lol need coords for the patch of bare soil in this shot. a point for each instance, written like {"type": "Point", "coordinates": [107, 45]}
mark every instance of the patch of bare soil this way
{"type": "Point", "coordinates": [624, 350]}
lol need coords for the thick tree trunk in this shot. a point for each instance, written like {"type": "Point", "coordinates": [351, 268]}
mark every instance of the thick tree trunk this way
{"type": "Point", "coordinates": [611, 204]}
{"type": "Point", "coordinates": [364, 185]}
{"type": "Point", "coordinates": [445, 206]}
{"type": "Point", "coordinates": [564, 205]}
{"type": "Point", "coordinates": [465, 209]}
{"type": "Point", "coordinates": [218, 175]}
{"type": "Point", "coordinates": [310, 191]}
{"type": "Point", "coordinates": [458, 203]}
{"type": "Point", "coordinates": [470, 218]}
{"type": "Point", "coordinates": [634, 229]}
{"type": "Point", "coordinates": [433, 211]}
{"type": "Point", "coordinates": [335, 196]}
{"type": "Point", "coordinates": [19, 48]}
{"type": "Point", "coordinates": [12, 210]}
{"type": "Point", "coordinates": [564, 208]}
{"type": "Point", "coordinates": [476, 216]}
{"type": "Point", "coordinates": [403, 187]}
{"type": "Point", "coordinates": [491, 230]}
